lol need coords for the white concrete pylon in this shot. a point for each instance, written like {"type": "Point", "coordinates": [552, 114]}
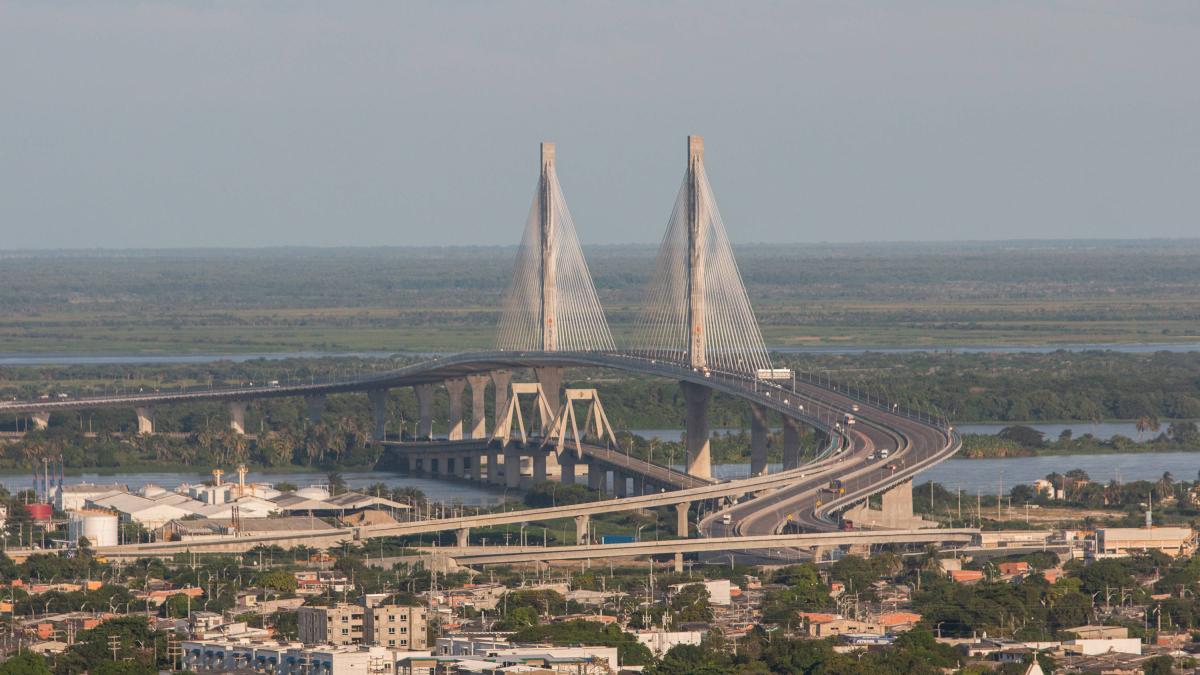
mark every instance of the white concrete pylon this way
{"type": "Point", "coordinates": [596, 421]}
{"type": "Point", "coordinates": [513, 413]}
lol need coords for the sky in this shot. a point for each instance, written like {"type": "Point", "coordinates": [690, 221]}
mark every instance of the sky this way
{"type": "Point", "coordinates": [161, 124]}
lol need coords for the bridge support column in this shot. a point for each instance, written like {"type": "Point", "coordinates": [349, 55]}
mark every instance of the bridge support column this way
{"type": "Point", "coordinates": [454, 390]}
{"type": "Point", "coordinates": [566, 465]}
{"type": "Point", "coordinates": [860, 550]}
{"type": "Point", "coordinates": [493, 467]}
{"type": "Point", "coordinates": [678, 562]}
{"type": "Point", "coordinates": [681, 519]}
{"type": "Point", "coordinates": [696, 398]}
{"type": "Point", "coordinates": [639, 486]}
{"type": "Point", "coordinates": [758, 440]}
{"type": "Point", "coordinates": [476, 464]}
{"type": "Point", "coordinates": [424, 394]}
{"type": "Point", "coordinates": [145, 420]}
{"type": "Point", "coordinates": [502, 381]}
{"type": "Point", "coordinates": [551, 380]}
{"type": "Point", "coordinates": [539, 466]}
{"type": "Point", "coordinates": [315, 405]}
{"type": "Point", "coordinates": [41, 419]}
{"type": "Point", "coordinates": [791, 443]}
{"type": "Point", "coordinates": [463, 537]}
{"type": "Point", "coordinates": [819, 553]}
{"type": "Point", "coordinates": [378, 398]}
{"type": "Point", "coordinates": [237, 416]}
{"type": "Point", "coordinates": [620, 485]}
{"type": "Point", "coordinates": [596, 477]}
{"type": "Point", "coordinates": [479, 385]}
{"type": "Point", "coordinates": [897, 505]}
{"type": "Point", "coordinates": [581, 529]}
{"type": "Point", "coordinates": [512, 467]}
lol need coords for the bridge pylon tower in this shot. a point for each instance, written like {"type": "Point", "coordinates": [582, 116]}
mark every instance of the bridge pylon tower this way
{"type": "Point", "coordinates": [697, 312]}
{"type": "Point", "coordinates": [551, 302]}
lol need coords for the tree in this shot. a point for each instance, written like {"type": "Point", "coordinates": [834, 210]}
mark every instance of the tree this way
{"type": "Point", "coordinates": [277, 580]}
{"type": "Point", "coordinates": [1159, 665]}
{"type": "Point", "coordinates": [691, 604]}
{"type": "Point", "coordinates": [337, 484]}
{"type": "Point", "coordinates": [27, 663]}
{"type": "Point", "coordinates": [1026, 436]}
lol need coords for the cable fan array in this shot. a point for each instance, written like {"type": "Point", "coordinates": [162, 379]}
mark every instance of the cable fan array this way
{"type": "Point", "coordinates": [578, 316]}
{"type": "Point", "coordinates": [734, 341]}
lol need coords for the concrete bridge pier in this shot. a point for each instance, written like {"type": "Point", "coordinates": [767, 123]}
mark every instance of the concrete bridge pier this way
{"type": "Point", "coordinates": [476, 465]}
{"type": "Point", "coordinates": [479, 385]}
{"type": "Point", "coordinates": [758, 440]}
{"type": "Point", "coordinates": [696, 398]}
{"type": "Point", "coordinates": [679, 563]}
{"type": "Point", "coordinates": [315, 405]}
{"type": "Point", "coordinates": [581, 529]}
{"type": "Point", "coordinates": [566, 466]}
{"type": "Point", "coordinates": [639, 486]}
{"type": "Point", "coordinates": [620, 485]}
{"type": "Point", "coordinates": [551, 380]}
{"type": "Point", "coordinates": [463, 537]}
{"type": "Point", "coordinates": [237, 416]}
{"type": "Point", "coordinates": [41, 419]}
{"type": "Point", "coordinates": [791, 443]}
{"type": "Point", "coordinates": [493, 467]}
{"type": "Point", "coordinates": [539, 466]}
{"type": "Point", "coordinates": [454, 390]}
{"type": "Point", "coordinates": [424, 393]}
{"type": "Point", "coordinates": [596, 477]}
{"type": "Point", "coordinates": [681, 519]}
{"type": "Point", "coordinates": [145, 420]}
{"type": "Point", "coordinates": [378, 398]}
{"type": "Point", "coordinates": [502, 381]}
{"type": "Point", "coordinates": [512, 467]}
{"type": "Point", "coordinates": [895, 512]}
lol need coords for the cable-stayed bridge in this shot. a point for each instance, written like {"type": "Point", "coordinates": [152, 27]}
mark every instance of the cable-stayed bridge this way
{"type": "Point", "coordinates": [696, 327]}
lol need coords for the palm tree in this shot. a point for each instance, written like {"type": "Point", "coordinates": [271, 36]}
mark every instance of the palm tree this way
{"type": "Point", "coordinates": [1164, 487]}
{"type": "Point", "coordinates": [1142, 425]}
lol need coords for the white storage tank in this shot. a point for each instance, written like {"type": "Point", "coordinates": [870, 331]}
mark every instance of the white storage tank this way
{"type": "Point", "coordinates": [99, 527]}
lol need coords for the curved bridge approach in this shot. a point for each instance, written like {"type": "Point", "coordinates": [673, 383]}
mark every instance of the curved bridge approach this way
{"type": "Point", "coordinates": [697, 328]}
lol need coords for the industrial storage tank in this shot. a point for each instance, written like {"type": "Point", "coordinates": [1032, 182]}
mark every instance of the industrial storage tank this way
{"type": "Point", "coordinates": [99, 527]}
{"type": "Point", "coordinates": [40, 512]}
{"type": "Point", "coordinates": [313, 492]}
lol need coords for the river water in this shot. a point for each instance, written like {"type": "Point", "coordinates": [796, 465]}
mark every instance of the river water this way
{"type": "Point", "coordinates": [24, 359]}
{"type": "Point", "coordinates": [970, 475]}
{"type": "Point", "coordinates": [1102, 430]}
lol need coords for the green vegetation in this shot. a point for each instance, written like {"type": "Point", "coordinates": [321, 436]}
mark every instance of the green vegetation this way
{"type": "Point", "coordinates": [444, 299]}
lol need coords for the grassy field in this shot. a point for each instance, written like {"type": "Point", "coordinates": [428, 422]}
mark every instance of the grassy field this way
{"type": "Point", "coordinates": [417, 300]}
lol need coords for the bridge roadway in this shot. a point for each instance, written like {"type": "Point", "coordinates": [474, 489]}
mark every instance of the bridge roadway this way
{"type": "Point", "coordinates": [817, 413]}
{"type": "Point", "coordinates": [912, 446]}
{"type": "Point", "coordinates": [477, 555]}
{"type": "Point", "coordinates": [914, 443]}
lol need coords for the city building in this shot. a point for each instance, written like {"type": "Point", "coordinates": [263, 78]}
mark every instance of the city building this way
{"type": "Point", "coordinates": [269, 658]}
{"type": "Point", "coordinates": [660, 641]}
{"type": "Point", "coordinates": [341, 624]}
{"type": "Point", "coordinates": [396, 626]}
{"type": "Point", "coordinates": [1119, 541]}
{"type": "Point", "coordinates": [74, 497]}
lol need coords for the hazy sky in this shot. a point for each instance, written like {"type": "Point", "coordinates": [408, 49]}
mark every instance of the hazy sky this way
{"type": "Point", "coordinates": [392, 123]}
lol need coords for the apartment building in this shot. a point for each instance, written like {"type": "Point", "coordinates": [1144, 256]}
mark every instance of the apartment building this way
{"type": "Point", "coordinates": [341, 624]}
{"type": "Point", "coordinates": [396, 627]}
